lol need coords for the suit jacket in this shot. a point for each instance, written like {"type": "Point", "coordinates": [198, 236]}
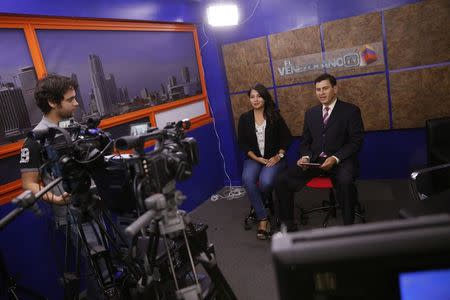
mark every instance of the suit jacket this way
{"type": "Point", "coordinates": [342, 136]}
{"type": "Point", "coordinates": [277, 135]}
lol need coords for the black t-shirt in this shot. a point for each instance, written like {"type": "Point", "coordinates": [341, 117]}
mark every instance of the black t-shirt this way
{"type": "Point", "coordinates": [30, 156]}
{"type": "Point", "coordinates": [32, 160]}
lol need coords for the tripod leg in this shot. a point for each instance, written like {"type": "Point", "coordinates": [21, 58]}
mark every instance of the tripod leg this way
{"type": "Point", "coordinates": [205, 255]}
{"type": "Point", "coordinates": [209, 263]}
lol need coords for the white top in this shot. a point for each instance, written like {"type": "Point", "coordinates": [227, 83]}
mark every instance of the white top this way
{"type": "Point", "coordinates": [260, 136]}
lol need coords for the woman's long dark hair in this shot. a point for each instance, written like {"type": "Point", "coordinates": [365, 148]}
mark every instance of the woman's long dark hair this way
{"type": "Point", "coordinates": [269, 106]}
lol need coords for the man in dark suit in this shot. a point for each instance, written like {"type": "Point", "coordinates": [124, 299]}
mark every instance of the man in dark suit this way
{"type": "Point", "coordinates": [332, 137]}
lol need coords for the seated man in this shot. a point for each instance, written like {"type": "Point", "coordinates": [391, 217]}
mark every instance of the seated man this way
{"type": "Point", "coordinates": [332, 137]}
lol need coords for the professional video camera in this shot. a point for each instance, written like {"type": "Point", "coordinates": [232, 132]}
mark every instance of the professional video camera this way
{"type": "Point", "coordinates": [75, 152]}
{"type": "Point", "coordinates": [129, 179]}
{"type": "Point", "coordinates": [142, 185]}
{"type": "Point", "coordinates": [152, 177]}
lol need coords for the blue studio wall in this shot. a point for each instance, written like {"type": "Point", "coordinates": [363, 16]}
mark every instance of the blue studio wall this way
{"type": "Point", "coordinates": [385, 154]}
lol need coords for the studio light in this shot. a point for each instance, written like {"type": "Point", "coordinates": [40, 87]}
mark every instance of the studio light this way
{"type": "Point", "coordinates": [222, 14]}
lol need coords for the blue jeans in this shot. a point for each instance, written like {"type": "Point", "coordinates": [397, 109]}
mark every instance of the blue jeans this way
{"type": "Point", "coordinates": [258, 178]}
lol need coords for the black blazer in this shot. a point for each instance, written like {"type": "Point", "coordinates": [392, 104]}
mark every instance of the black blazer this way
{"type": "Point", "coordinates": [342, 136]}
{"type": "Point", "coordinates": [277, 135]}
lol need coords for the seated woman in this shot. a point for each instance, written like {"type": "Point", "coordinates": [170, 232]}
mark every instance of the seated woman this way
{"type": "Point", "coordinates": [264, 137]}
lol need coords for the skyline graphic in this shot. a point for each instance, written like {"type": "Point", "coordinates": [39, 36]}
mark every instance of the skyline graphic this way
{"type": "Point", "coordinates": [105, 87]}
{"type": "Point", "coordinates": [136, 59]}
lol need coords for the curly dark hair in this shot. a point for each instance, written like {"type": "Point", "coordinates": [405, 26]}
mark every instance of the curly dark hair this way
{"type": "Point", "coordinates": [270, 112]}
{"type": "Point", "coordinates": [52, 88]}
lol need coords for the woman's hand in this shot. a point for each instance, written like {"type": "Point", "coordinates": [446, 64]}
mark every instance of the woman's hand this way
{"type": "Point", "coordinates": [262, 160]}
{"type": "Point", "coordinates": [273, 160]}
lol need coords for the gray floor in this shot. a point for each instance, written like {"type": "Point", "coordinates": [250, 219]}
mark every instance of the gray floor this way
{"type": "Point", "coordinates": [246, 262]}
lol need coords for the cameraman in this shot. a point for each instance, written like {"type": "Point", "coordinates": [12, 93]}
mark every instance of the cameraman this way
{"type": "Point", "coordinates": [55, 96]}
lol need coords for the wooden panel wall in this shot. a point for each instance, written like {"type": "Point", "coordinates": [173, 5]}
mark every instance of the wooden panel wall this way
{"type": "Point", "coordinates": [303, 43]}
{"type": "Point", "coordinates": [415, 43]}
{"type": "Point", "coordinates": [293, 102]}
{"type": "Point", "coordinates": [419, 95]}
{"type": "Point", "coordinates": [247, 63]}
{"type": "Point", "coordinates": [370, 94]}
{"type": "Point", "coordinates": [418, 34]}
{"type": "Point", "coordinates": [353, 33]}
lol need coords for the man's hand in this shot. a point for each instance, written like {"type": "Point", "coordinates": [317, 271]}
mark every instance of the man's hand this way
{"type": "Point", "coordinates": [273, 160]}
{"type": "Point", "coordinates": [328, 163]}
{"type": "Point", "coordinates": [304, 159]}
{"type": "Point", "coordinates": [262, 160]}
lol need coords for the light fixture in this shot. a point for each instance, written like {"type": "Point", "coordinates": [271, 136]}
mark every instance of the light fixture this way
{"type": "Point", "coordinates": [222, 14]}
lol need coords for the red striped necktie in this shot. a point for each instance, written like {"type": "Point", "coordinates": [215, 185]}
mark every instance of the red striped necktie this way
{"type": "Point", "coordinates": [326, 115]}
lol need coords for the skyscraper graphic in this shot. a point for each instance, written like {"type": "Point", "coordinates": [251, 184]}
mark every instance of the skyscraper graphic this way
{"type": "Point", "coordinates": [144, 93]}
{"type": "Point", "coordinates": [13, 112]}
{"type": "Point", "coordinates": [121, 95]}
{"type": "Point", "coordinates": [2, 129]}
{"type": "Point", "coordinates": [172, 81]}
{"type": "Point", "coordinates": [92, 104]}
{"type": "Point", "coordinates": [112, 88]}
{"type": "Point", "coordinates": [28, 80]}
{"type": "Point", "coordinates": [185, 77]}
{"type": "Point", "coordinates": [99, 85]}
{"type": "Point", "coordinates": [79, 98]}
{"type": "Point", "coordinates": [125, 93]}
{"type": "Point", "coordinates": [81, 109]}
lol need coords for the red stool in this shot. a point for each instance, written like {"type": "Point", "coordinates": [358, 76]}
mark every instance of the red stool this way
{"type": "Point", "coordinates": [329, 206]}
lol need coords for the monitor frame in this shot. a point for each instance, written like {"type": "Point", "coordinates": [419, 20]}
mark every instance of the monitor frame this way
{"type": "Point", "coordinates": [363, 261]}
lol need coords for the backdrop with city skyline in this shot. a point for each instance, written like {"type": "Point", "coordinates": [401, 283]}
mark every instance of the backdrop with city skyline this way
{"type": "Point", "coordinates": [117, 71]}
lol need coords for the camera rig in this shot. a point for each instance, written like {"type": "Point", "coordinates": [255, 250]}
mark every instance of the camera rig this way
{"type": "Point", "coordinates": [142, 184]}
{"type": "Point", "coordinates": [154, 175]}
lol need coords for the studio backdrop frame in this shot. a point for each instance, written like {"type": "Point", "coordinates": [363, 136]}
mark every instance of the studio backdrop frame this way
{"type": "Point", "coordinates": [128, 72]}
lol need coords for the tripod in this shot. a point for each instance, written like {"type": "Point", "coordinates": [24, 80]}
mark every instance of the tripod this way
{"type": "Point", "coordinates": [91, 227]}
{"type": "Point", "coordinates": [168, 222]}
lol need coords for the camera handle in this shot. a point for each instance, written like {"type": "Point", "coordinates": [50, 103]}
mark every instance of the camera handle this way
{"type": "Point", "coordinates": [27, 200]}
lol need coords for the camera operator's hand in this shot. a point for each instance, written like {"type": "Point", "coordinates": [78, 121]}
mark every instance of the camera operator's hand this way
{"type": "Point", "coordinates": [62, 200]}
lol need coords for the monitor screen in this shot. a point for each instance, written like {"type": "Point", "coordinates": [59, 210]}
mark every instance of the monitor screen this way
{"type": "Point", "coordinates": [364, 261]}
{"type": "Point", "coordinates": [139, 128]}
{"type": "Point", "coordinates": [433, 284]}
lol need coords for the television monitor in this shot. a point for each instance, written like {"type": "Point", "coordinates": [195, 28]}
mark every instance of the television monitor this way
{"type": "Point", "coordinates": [139, 128]}
{"type": "Point", "coordinates": [364, 261]}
